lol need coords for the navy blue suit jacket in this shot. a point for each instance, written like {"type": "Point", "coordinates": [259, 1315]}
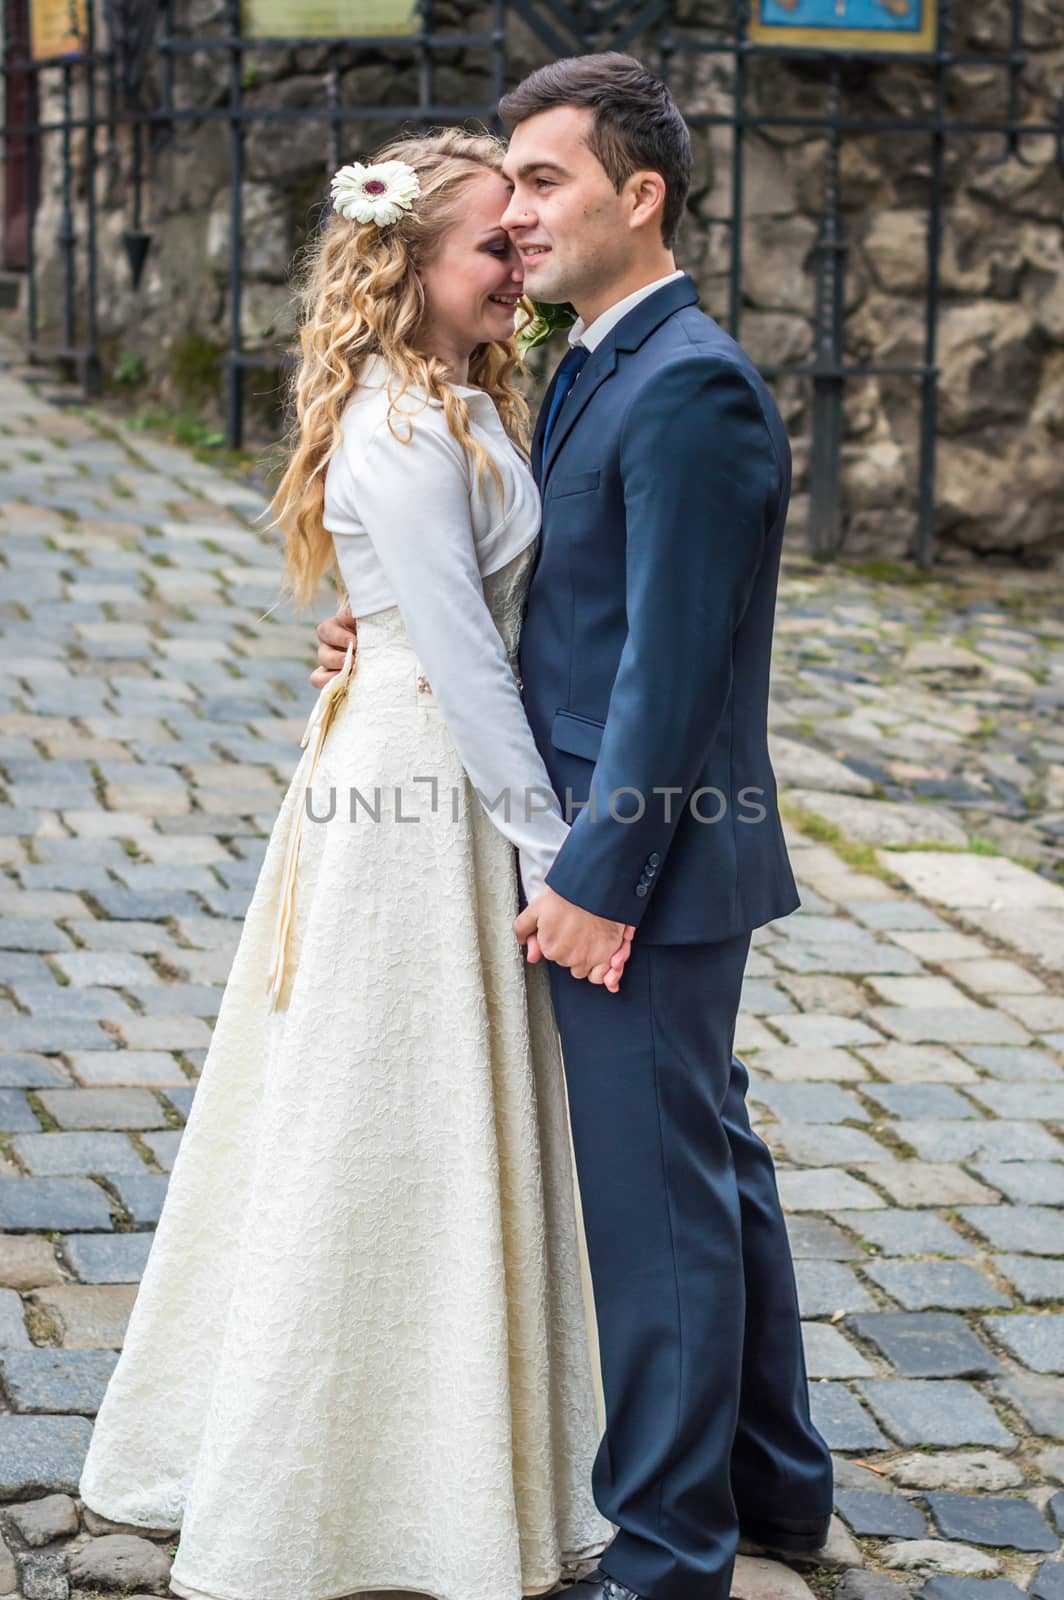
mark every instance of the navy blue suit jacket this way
{"type": "Point", "coordinates": [647, 635]}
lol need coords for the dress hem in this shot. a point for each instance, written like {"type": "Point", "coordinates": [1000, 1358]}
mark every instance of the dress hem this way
{"type": "Point", "coordinates": [569, 1560]}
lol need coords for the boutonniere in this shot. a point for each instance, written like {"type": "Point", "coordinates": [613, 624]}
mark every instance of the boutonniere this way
{"type": "Point", "coordinates": [544, 320]}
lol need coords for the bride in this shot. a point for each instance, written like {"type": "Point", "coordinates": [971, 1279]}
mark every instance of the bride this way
{"type": "Point", "coordinates": [358, 1357]}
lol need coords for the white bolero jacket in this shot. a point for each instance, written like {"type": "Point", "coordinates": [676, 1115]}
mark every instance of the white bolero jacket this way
{"type": "Point", "coordinates": [412, 528]}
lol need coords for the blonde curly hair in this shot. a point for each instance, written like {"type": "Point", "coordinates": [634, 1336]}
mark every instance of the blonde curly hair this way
{"type": "Point", "coordinates": [360, 295]}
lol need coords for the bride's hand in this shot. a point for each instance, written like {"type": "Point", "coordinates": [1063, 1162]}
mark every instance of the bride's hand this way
{"type": "Point", "coordinates": [334, 636]}
{"type": "Point", "coordinates": [609, 974]}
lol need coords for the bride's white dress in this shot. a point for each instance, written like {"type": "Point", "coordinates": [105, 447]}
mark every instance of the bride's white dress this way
{"type": "Point", "coordinates": [358, 1358]}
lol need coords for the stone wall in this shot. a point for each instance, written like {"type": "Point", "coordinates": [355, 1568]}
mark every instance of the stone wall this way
{"type": "Point", "coordinates": [1001, 328]}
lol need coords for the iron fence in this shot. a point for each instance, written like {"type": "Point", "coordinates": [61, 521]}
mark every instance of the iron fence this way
{"type": "Point", "coordinates": [144, 78]}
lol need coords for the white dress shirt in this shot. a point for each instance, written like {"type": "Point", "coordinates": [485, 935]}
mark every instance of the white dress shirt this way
{"type": "Point", "coordinates": [593, 334]}
{"type": "Point", "coordinates": [412, 528]}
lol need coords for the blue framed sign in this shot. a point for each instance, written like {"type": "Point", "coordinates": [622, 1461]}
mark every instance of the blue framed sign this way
{"type": "Point", "coordinates": [893, 26]}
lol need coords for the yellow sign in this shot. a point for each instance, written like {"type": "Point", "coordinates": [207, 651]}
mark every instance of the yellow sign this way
{"type": "Point", "coordinates": [900, 27]}
{"type": "Point", "coordinates": [329, 19]}
{"type": "Point", "coordinates": [57, 27]}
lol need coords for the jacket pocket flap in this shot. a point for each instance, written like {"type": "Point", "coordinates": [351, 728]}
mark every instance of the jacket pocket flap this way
{"type": "Point", "coordinates": [573, 483]}
{"type": "Point", "coordinates": [580, 736]}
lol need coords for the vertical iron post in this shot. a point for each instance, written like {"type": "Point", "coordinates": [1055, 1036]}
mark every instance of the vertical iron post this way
{"type": "Point", "coordinates": [829, 320]}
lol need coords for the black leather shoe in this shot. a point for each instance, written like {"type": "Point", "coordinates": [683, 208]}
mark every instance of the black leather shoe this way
{"type": "Point", "coordinates": [786, 1538]}
{"type": "Point", "coordinates": [598, 1585]}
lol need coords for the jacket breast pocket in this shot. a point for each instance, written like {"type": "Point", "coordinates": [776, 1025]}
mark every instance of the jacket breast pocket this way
{"type": "Point", "coordinates": [579, 736]}
{"type": "Point", "coordinates": [573, 483]}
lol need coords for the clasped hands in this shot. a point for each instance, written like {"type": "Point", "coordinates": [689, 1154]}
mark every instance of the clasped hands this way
{"type": "Point", "coordinates": [552, 928]}
{"type": "Point", "coordinates": [591, 947]}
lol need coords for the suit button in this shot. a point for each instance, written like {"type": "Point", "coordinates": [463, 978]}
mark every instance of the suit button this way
{"type": "Point", "coordinates": [649, 871]}
{"type": "Point", "coordinates": [641, 889]}
{"type": "Point", "coordinates": [654, 860]}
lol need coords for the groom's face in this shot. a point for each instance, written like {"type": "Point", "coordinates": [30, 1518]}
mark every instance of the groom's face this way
{"type": "Point", "coordinates": [565, 217]}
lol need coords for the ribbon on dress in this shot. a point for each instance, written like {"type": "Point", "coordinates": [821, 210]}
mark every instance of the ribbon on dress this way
{"type": "Point", "coordinates": [317, 727]}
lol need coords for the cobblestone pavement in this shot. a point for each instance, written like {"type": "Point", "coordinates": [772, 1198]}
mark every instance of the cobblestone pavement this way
{"type": "Point", "coordinates": [904, 1030]}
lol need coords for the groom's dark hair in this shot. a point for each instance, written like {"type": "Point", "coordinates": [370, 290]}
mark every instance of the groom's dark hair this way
{"type": "Point", "coordinates": [637, 124]}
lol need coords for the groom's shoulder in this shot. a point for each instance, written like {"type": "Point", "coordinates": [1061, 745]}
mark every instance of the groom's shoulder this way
{"type": "Point", "coordinates": [691, 355]}
{"type": "Point", "coordinates": [693, 340]}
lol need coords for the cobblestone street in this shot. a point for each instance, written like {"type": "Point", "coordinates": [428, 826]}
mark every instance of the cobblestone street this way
{"type": "Point", "coordinates": [904, 1030]}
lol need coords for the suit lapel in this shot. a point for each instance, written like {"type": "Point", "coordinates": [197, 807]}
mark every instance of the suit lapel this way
{"type": "Point", "coordinates": [633, 330]}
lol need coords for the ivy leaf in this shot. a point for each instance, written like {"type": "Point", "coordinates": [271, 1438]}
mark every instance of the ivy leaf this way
{"type": "Point", "coordinates": [545, 320]}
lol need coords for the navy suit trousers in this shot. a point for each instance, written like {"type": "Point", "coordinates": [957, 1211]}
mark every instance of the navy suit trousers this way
{"type": "Point", "coordinates": [707, 1409]}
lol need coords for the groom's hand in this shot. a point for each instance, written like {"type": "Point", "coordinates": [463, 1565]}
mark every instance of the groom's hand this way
{"type": "Point", "coordinates": [609, 976]}
{"type": "Point", "coordinates": [334, 636]}
{"type": "Point", "coordinates": [591, 947]}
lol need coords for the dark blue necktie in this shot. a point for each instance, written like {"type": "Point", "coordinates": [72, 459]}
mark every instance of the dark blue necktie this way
{"type": "Point", "coordinates": [570, 365]}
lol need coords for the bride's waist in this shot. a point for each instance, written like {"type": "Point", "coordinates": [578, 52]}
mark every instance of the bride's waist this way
{"type": "Point", "coordinates": [387, 670]}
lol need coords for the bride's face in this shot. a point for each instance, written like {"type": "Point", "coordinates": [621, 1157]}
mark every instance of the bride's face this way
{"type": "Point", "coordinates": [472, 286]}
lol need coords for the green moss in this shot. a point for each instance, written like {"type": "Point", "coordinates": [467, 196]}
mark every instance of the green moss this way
{"type": "Point", "coordinates": [48, 1122]}
{"type": "Point", "coordinates": [196, 366]}
{"type": "Point", "coordinates": [40, 1327]}
{"type": "Point", "coordinates": [822, 1581]}
{"type": "Point", "coordinates": [862, 857]}
{"type": "Point", "coordinates": [129, 370]}
{"type": "Point", "coordinates": [180, 427]}
{"type": "Point", "coordinates": [886, 571]}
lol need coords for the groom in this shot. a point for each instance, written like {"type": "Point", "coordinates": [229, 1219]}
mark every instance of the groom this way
{"type": "Point", "coordinates": [665, 475]}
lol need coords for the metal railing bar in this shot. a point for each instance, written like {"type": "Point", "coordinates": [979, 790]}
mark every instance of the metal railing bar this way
{"type": "Point", "coordinates": [859, 125]}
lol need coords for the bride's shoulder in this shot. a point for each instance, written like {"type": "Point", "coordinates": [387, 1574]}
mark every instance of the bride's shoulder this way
{"type": "Point", "coordinates": [382, 411]}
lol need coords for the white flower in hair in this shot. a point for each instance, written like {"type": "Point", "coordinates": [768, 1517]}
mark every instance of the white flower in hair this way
{"type": "Point", "coordinates": [377, 194]}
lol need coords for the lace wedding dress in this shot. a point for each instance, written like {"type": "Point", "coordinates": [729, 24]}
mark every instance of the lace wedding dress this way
{"type": "Point", "coordinates": [358, 1358]}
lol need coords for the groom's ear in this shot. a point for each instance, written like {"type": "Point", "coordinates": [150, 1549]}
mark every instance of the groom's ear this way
{"type": "Point", "coordinates": [645, 193]}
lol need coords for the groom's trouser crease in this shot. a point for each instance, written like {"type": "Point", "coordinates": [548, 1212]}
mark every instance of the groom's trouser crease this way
{"type": "Point", "coordinates": [672, 1178]}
